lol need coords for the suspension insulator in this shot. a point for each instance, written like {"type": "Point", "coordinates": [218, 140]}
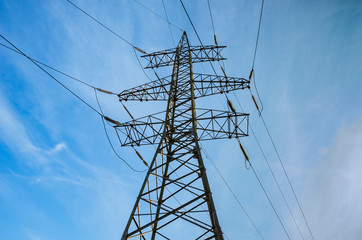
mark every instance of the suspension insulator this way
{"type": "Point", "coordinates": [215, 40]}
{"type": "Point", "coordinates": [251, 74]}
{"type": "Point", "coordinates": [140, 50]}
{"type": "Point", "coordinates": [244, 152]}
{"type": "Point", "coordinates": [231, 106]}
{"type": "Point", "coordinates": [140, 156]}
{"type": "Point", "coordinates": [105, 91]}
{"type": "Point", "coordinates": [112, 121]}
{"type": "Point", "coordinates": [256, 104]}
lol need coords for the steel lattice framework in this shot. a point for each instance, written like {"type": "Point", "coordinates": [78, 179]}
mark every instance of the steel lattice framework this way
{"type": "Point", "coordinates": [175, 200]}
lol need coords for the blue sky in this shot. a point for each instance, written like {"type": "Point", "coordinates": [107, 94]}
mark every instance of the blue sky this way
{"type": "Point", "coordinates": [59, 178]}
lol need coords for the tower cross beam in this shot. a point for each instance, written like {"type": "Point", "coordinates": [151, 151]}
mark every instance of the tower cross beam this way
{"type": "Point", "coordinates": [198, 54]}
{"type": "Point", "coordinates": [211, 124]}
{"type": "Point", "coordinates": [204, 85]}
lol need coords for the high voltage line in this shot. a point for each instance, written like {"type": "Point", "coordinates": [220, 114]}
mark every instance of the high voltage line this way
{"type": "Point", "coordinates": [38, 63]}
{"type": "Point", "coordinates": [260, 112]}
{"type": "Point", "coordinates": [188, 16]}
{"type": "Point", "coordinates": [266, 127]}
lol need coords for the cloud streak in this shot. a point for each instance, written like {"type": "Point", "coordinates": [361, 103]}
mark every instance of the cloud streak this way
{"type": "Point", "coordinates": [334, 194]}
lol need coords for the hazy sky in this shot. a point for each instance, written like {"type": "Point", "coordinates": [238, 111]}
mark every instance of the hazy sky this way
{"type": "Point", "coordinates": [59, 178]}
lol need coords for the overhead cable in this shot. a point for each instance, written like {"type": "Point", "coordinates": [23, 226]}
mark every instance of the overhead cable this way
{"type": "Point", "coordinates": [110, 30]}
{"type": "Point", "coordinates": [286, 174]}
{"type": "Point", "coordinates": [109, 140]}
{"type": "Point", "coordinates": [212, 22]}
{"type": "Point", "coordinates": [52, 68]}
{"type": "Point", "coordinates": [101, 114]}
{"type": "Point", "coordinates": [255, 51]}
{"type": "Point", "coordinates": [277, 183]}
{"type": "Point", "coordinates": [37, 64]}
{"type": "Point", "coordinates": [158, 15]}
{"type": "Point", "coordinates": [197, 34]}
{"type": "Point", "coordinates": [232, 192]}
{"type": "Point", "coordinates": [114, 150]}
{"type": "Point", "coordinates": [271, 204]}
{"type": "Point", "coordinates": [169, 26]}
{"type": "Point", "coordinates": [272, 172]}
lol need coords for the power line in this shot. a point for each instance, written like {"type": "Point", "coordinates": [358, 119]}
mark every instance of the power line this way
{"type": "Point", "coordinates": [234, 195]}
{"type": "Point", "coordinates": [271, 204]}
{"type": "Point", "coordinates": [192, 24]}
{"type": "Point", "coordinates": [286, 174]}
{"type": "Point", "coordinates": [52, 68]}
{"type": "Point", "coordinates": [257, 36]}
{"type": "Point", "coordinates": [17, 50]}
{"type": "Point", "coordinates": [272, 172]}
{"type": "Point", "coordinates": [97, 21]}
{"type": "Point", "coordinates": [262, 186]}
{"type": "Point", "coordinates": [156, 14]}
{"type": "Point", "coordinates": [22, 53]}
{"type": "Point", "coordinates": [139, 62]}
{"type": "Point", "coordinates": [212, 21]}
{"type": "Point", "coordinates": [277, 183]}
{"type": "Point", "coordinates": [169, 26]}
{"type": "Point", "coordinates": [188, 16]}
{"type": "Point", "coordinates": [109, 140]}
{"type": "Point", "coordinates": [110, 143]}
{"type": "Point", "coordinates": [255, 51]}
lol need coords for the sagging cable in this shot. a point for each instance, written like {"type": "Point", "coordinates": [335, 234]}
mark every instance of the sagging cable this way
{"type": "Point", "coordinates": [140, 156]}
{"type": "Point", "coordinates": [111, 120]}
{"type": "Point", "coordinates": [128, 111]}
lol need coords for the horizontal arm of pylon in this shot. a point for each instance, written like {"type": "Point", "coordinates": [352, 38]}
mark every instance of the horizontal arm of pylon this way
{"type": "Point", "coordinates": [211, 124]}
{"type": "Point", "coordinates": [204, 85]}
{"type": "Point", "coordinates": [199, 54]}
{"type": "Point", "coordinates": [154, 91]}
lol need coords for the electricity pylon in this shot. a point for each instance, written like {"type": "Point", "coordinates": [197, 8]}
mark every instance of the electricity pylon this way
{"type": "Point", "coordinates": [175, 200]}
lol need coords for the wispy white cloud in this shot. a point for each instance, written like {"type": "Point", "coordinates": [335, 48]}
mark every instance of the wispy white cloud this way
{"type": "Point", "coordinates": [333, 197]}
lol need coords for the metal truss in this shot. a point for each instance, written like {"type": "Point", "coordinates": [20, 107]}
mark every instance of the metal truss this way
{"type": "Point", "coordinates": [198, 54]}
{"type": "Point", "coordinates": [175, 200]}
{"type": "Point", "coordinates": [211, 124]}
{"type": "Point", "coordinates": [204, 85]}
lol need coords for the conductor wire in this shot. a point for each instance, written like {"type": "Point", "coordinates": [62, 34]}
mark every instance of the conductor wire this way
{"type": "Point", "coordinates": [255, 51]}
{"type": "Point", "coordinates": [232, 192]}
{"type": "Point", "coordinates": [73, 93]}
{"type": "Point", "coordinates": [169, 26]}
{"type": "Point", "coordinates": [97, 21]}
{"type": "Point", "coordinates": [271, 204]}
{"type": "Point", "coordinates": [158, 15]}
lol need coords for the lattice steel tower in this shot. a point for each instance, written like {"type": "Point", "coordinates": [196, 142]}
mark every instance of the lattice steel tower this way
{"type": "Point", "coordinates": [175, 200]}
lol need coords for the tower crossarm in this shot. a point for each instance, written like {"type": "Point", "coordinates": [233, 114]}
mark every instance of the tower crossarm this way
{"type": "Point", "coordinates": [154, 91]}
{"type": "Point", "coordinates": [198, 53]}
{"type": "Point", "coordinates": [204, 85]}
{"type": "Point", "coordinates": [211, 124]}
